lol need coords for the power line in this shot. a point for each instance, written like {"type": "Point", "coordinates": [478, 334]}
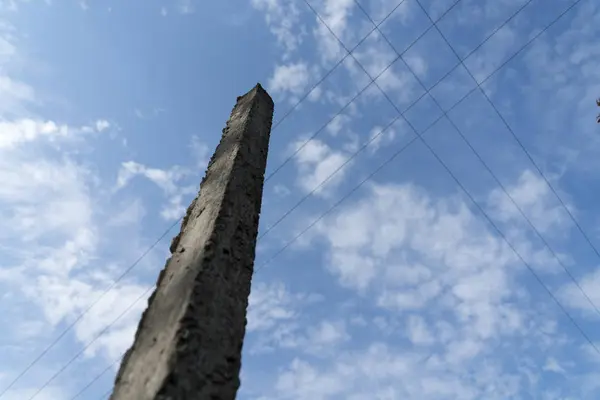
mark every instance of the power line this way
{"type": "Point", "coordinates": [408, 144]}
{"type": "Point", "coordinates": [97, 377]}
{"type": "Point", "coordinates": [305, 96]}
{"type": "Point", "coordinates": [496, 178]}
{"type": "Point", "coordinates": [89, 344]}
{"type": "Point", "coordinates": [492, 74]}
{"type": "Point", "coordinates": [464, 138]}
{"type": "Point", "coordinates": [106, 395]}
{"type": "Point", "coordinates": [520, 143]}
{"type": "Point", "coordinates": [106, 291]}
{"type": "Point", "coordinates": [112, 286]}
{"type": "Point", "coordinates": [490, 221]}
{"type": "Point", "coordinates": [299, 148]}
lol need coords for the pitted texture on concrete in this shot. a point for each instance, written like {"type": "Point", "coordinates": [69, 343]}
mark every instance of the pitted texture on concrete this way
{"type": "Point", "coordinates": [189, 340]}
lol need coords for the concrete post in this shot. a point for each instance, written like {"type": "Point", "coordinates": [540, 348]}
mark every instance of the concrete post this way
{"type": "Point", "coordinates": [189, 341]}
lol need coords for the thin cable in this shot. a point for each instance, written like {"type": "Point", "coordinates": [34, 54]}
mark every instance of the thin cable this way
{"type": "Point", "coordinates": [323, 182]}
{"type": "Point", "coordinates": [498, 180]}
{"type": "Point", "coordinates": [106, 395]}
{"type": "Point", "coordinates": [464, 138]}
{"type": "Point", "coordinates": [288, 159]}
{"type": "Point", "coordinates": [488, 37]}
{"type": "Point", "coordinates": [97, 377]}
{"type": "Point", "coordinates": [335, 66]}
{"type": "Point", "coordinates": [491, 75]}
{"type": "Point", "coordinates": [519, 142]}
{"type": "Point", "coordinates": [102, 332]}
{"type": "Point", "coordinates": [490, 221]}
{"type": "Point", "coordinates": [47, 349]}
{"type": "Point", "coordinates": [345, 197]}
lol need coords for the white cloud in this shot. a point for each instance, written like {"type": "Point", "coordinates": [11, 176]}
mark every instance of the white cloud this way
{"type": "Point", "coordinates": [15, 133]}
{"type": "Point", "coordinates": [316, 162]}
{"type": "Point", "coordinates": [553, 365]}
{"type": "Point", "coordinates": [292, 78]}
{"type": "Point", "coordinates": [379, 9]}
{"type": "Point", "coordinates": [186, 7]}
{"type": "Point", "coordinates": [53, 217]}
{"type": "Point", "coordinates": [534, 197]}
{"type": "Point", "coordinates": [339, 123]}
{"type": "Point", "coordinates": [275, 320]}
{"type": "Point", "coordinates": [336, 15]}
{"type": "Point", "coordinates": [132, 213]}
{"type": "Point", "coordinates": [169, 181]}
{"type": "Point", "coordinates": [413, 253]}
{"type": "Point", "coordinates": [121, 308]}
{"type": "Point", "coordinates": [383, 372]}
{"type": "Point", "coordinates": [102, 124]}
{"type": "Point", "coordinates": [15, 93]}
{"type": "Point", "coordinates": [268, 306]}
{"type": "Point", "coordinates": [418, 331]}
{"type": "Point", "coordinates": [42, 197]}
{"type": "Point", "coordinates": [378, 137]}
{"type": "Point", "coordinates": [281, 190]}
{"type": "Point", "coordinates": [283, 18]}
{"type": "Point", "coordinates": [571, 295]}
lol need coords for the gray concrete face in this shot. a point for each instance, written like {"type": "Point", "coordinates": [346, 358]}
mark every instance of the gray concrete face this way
{"type": "Point", "coordinates": [189, 340]}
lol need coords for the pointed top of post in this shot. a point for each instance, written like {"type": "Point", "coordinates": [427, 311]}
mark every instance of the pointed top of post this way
{"type": "Point", "coordinates": [257, 90]}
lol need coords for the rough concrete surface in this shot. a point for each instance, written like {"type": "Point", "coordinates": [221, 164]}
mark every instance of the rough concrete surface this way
{"type": "Point", "coordinates": [189, 340]}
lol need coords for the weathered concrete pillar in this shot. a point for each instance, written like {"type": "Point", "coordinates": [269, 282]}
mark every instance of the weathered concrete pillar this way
{"type": "Point", "coordinates": [189, 341]}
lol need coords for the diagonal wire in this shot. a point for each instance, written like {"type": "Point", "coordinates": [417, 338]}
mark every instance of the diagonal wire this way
{"type": "Point", "coordinates": [468, 143]}
{"type": "Point", "coordinates": [389, 160]}
{"type": "Point", "coordinates": [106, 395]}
{"type": "Point", "coordinates": [100, 375]}
{"type": "Point", "coordinates": [179, 220]}
{"type": "Point", "coordinates": [89, 344]}
{"type": "Point", "coordinates": [52, 344]}
{"type": "Point", "coordinates": [519, 142]}
{"type": "Point", "coordinates": [487, 38]}
{"type": "Point", "coordinates": [498, 181]}
{"type": "Point", "coordinates": [486, 216]}
{"type": "Point", "coordinates": [349, 53]}
{"type": "Point", "coordinates": [491, 75]}
{"type": "Point", "coordinates": [68, 328]}
{"type": "Point", "coordinates": [305, 96]}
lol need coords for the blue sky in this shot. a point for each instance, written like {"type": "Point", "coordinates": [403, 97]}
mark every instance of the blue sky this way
{"type": "Point", "coordinates": [109, 112]}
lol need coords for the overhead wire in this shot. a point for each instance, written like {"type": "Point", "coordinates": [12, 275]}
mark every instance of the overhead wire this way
{"type": "Point", "coordinates": [458, 182]}
{"type": "Point", "coordinates": [522, 146]}
{"type": "Point", "coordinates": [476, 153]}
{"type": "Point", "coordinates": [113, 285]}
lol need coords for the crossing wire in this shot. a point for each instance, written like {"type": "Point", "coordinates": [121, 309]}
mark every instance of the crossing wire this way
{"type": "Point", "coordinates": [458, 182]}
{"type": "Point", "coordinates": [349, 53]}
{"type": "Point", "coordinates": [464, 138]}
{"type": "Point", "coordinates": [398, 152]}
{"type": "Point", "coordinates": [305, 96]}
{"type": "Point", "coordinates": [472, 199]}
{"type": "Point", "coordinates": [112, 286]}
{"type": "Point", "coordinates": [106, 291]}
{"type": "Point", "coordinates": [527, 153]}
